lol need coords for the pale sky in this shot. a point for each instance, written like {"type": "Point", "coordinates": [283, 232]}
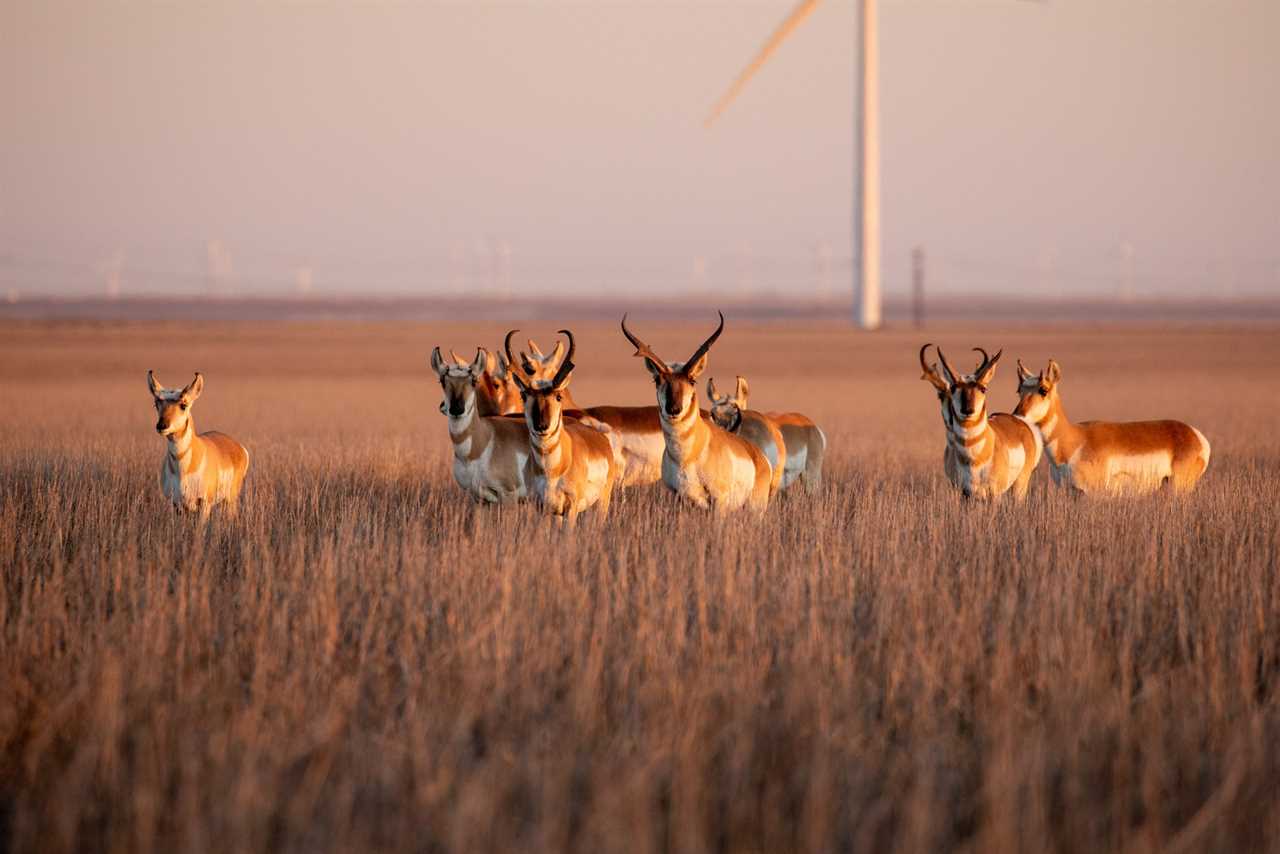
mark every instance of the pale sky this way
{"type": "Point", "coordinates": [1071, 145]}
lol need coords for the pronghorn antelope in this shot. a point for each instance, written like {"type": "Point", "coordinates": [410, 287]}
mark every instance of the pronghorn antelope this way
{"type": "Point", "coordinates": [730, 412]}
{"type": "Point", "coordinates": [804, 441]}
{"type": "Point", "coordinates": [572, 463]}
{"type": "Point", "coordinates": [490, 453]}
{"type": "Point", "coordinates": [703, 463]}
{"type": "Point", "coordinates": [496, 392]}
{"type": "Point", "coordinates": [636, 431]}
{"type": "Point", "coordinates": [985, 456]}
{"type": "Point", "coordinates": [199, 470]}
{"type": "Point", "coordinates": [1105, 456]}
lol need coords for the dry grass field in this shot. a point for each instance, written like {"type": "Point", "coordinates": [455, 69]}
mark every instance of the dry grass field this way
{"type": "Point", "coordinates": [363, 660]}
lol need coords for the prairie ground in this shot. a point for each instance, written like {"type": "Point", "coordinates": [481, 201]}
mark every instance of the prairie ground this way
{"type": "Point", "coordinates": [365, 660]}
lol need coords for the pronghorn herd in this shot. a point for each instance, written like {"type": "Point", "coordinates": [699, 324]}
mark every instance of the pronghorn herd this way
{"type": "Point", "coordinates": [518, 435]}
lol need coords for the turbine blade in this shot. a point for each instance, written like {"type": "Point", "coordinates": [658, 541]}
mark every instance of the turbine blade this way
{"type": "Point", "coordinates": [798, 14]}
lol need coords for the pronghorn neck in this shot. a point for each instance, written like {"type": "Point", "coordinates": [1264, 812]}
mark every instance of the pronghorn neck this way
{"type": "Point", "coordinates": [1060, 436]}
{"type": "Point", "coordinates": [686, 435]}
{"type": "Point", "coordinates": [969, 437]}
{"type": "Point", "coordinates": [182, 457]}
{"type": "Point", "coordinates": [467, 432]}
{"type": "Point", "coordinates": [549, 449]}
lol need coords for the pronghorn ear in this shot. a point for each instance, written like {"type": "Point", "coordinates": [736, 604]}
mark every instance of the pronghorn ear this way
{"type": "Point", "coordinates": [1053, 373]}
{"type": "Point", "coordinates": [155, 387]}
{"type": "Point", "coordinates": [437, 363]}
{"type": "Point", "coordinates": [478, 366]}
{"type": "Point", "coordinates": [990, 372]}
{"type": "Point", "coordinates": [499, 367]}
{"type": "Point", "coordinates": [694, 369]}
{"type": "Point", "coordinates": [556, 353]}
{"type": "Point", "coordinates": [711, 390]}
{"type": "Point", "coordinates": [193, 389]}
{"type": "Point", "coordinates": [741, 392]}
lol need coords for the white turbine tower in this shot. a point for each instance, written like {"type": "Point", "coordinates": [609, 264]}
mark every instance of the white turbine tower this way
{"type": "Point", "coordinates": [866, 202]}
{"type": "Point", "coordinates": [866, 206]}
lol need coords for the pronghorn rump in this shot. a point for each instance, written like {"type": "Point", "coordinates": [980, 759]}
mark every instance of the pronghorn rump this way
{"type": "Point", "coordinates": [806, 447]}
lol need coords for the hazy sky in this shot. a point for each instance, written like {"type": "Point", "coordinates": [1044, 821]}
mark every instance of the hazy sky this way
{"type": "Point", "coordinates": [391, 147]}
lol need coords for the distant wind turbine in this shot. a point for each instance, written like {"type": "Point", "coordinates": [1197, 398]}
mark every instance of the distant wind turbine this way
{"type": "Point", "coordinates": [866, 205]}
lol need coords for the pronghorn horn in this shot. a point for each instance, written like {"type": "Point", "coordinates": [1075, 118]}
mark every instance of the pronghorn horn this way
{"type": "Point", "coordinates": [931, 374]}
{"type": "Point", "coordinates": [1023, 373]}
{"type": "Point", "coordinates": [511, 360]}
{"type": "Point", "coordinates": [706, 345]}
{"type": "Point", "coordinates": [946, 366]}
{"type": "Point", "coordinates": [643, 349]}
{"type": "Point", "coordinates": [985, 360]}
{"type": "Point", "coordinates": [572, 346]}
{"type": "Point", "coordinates": [566, 365]}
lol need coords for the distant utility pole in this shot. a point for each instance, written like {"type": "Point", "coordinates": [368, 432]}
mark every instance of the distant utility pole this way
{"type": "Point", "coordinates": [917, 286]}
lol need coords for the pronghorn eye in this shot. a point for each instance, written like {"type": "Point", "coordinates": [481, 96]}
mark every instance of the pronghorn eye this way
{"type": "Point", "coordinates": [558, 397]}
{"type": "Point", "coordinates": [182, 406]}
{"type": "Point", "coordinates": [1042, 391]}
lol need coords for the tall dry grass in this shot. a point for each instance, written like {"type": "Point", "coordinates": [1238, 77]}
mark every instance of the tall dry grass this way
{"type": "Point", "coordinates": [364, 661]}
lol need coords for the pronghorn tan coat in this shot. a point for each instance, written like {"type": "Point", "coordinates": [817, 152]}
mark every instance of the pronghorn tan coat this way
{"type": "Point", "coordinates": [986, 456]}
{"type": "Point", "coordinates": [703, 463]}
{"type": "Point", "coordinates": [199, 470]}
{"type": "Point", "coordinates": [635, 431]}
{"type": "Point", "coordinates": [1107, 457]}
{"type": "Point", "coordinates": [806, 449]}
{"type": "Point", "coordinates": [490, 453]}
{"type": "Point", "coordinates": [730, 413]}
{"type": "Point", "coordinates": [573, 464]}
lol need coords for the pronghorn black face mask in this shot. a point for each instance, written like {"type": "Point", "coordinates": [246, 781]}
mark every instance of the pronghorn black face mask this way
{"type": "Point", "coordinates": [677, 383]}
{"type": "Point", "coordinates": [458, 382]}
{"type": "Point", "coordinates": [543, 399]}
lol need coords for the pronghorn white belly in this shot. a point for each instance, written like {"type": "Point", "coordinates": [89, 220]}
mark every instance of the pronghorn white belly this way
{"type": "Point", "coordinates": [1138, 472]}
{"type": "Point", "coordinates": [639, 456]}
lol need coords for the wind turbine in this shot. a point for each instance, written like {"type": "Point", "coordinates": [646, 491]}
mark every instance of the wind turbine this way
{"type": "Point", "coordinates": [866, 204]}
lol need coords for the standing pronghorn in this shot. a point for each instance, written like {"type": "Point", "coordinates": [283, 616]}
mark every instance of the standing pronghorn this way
{"type": "Point", "coordinates": [199, 470]}
{"type": "Point", "coordinates": [703, 463]}
{"type": "Point", "coordinates": [636, 431]}
{"type": "Point", "coordinates": [1106, 456]}
{"type": "Point", "coordinates": [490, 453]}
{"type": "Point", "coordinates": [804, 441]}
{"type": "Point", "coordinates": [730, 412]}
{"type": "Point", "coordinates": [572, 464]}
{"type": "Point", "coordinates": [985, 456]}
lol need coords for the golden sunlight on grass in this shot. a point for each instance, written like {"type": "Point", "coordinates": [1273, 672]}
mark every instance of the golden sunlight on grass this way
{"type": "Point", "coordinates": [365, 660]}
